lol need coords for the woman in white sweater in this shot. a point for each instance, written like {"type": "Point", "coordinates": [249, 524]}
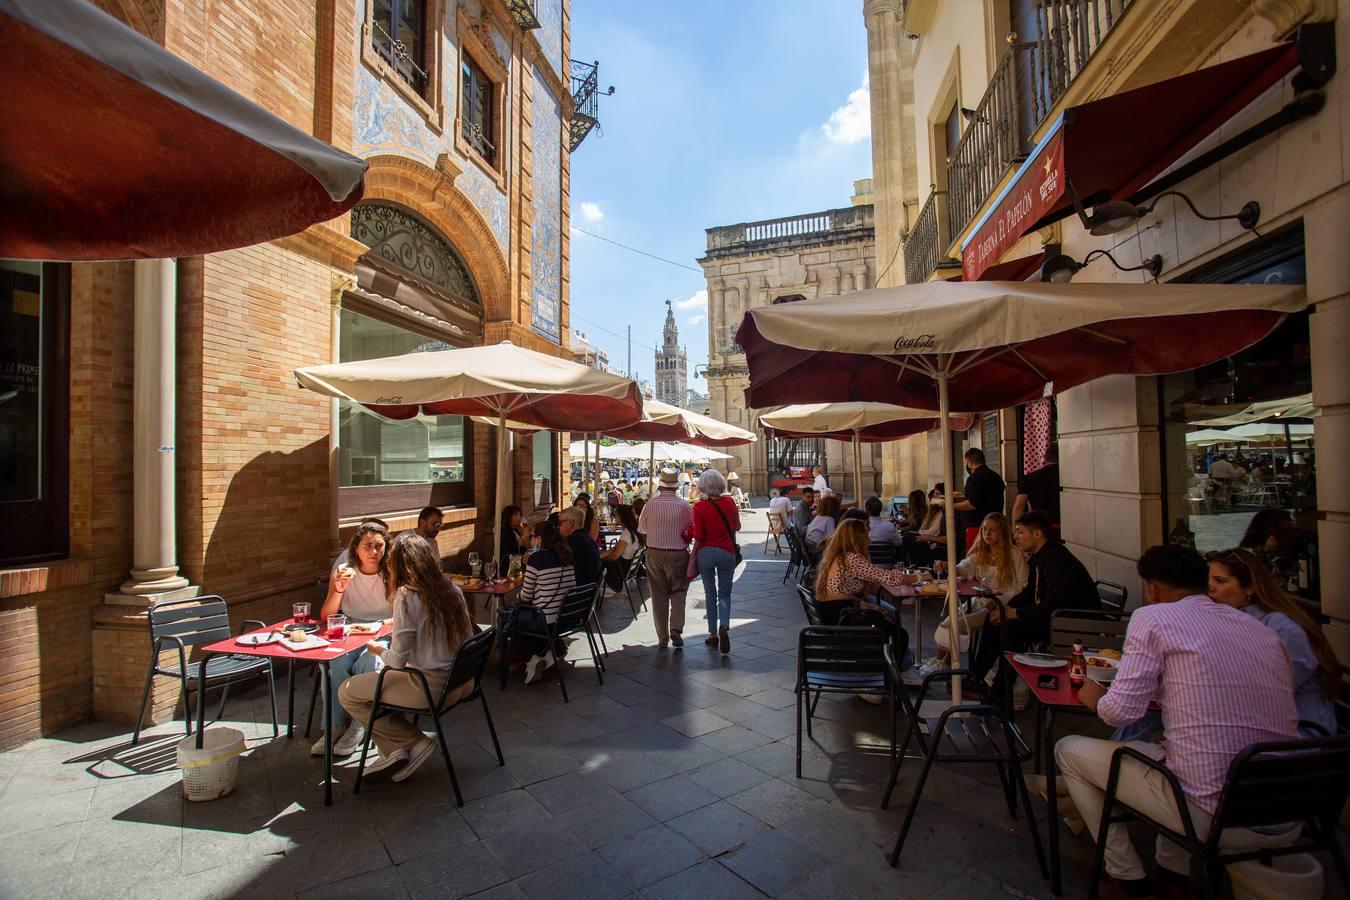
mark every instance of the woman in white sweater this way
{"type": "Point", "coordinates": [431, 620]}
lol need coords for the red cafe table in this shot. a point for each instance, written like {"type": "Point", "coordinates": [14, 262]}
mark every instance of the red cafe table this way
{"type": "Point", "coordinates": [493, 594]}
{"type": "Point", "coordinates": [965, 587]}
{"type": "Point", "coordinates": [323, 656]}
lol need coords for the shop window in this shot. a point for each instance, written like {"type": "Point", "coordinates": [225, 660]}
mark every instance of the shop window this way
{"type": "Point", "coordinates": [386, 465]}
{"type": "Point", "coordinates": [544, 450]}
{"type": "Point", "coordinates": [476, 118]}
{"type": "Point", "coordinates": [1240, 440]}
{"type": "Point", "coordinates": [34, 382]}
{"type": "Point", "coordinates": [399, 44]}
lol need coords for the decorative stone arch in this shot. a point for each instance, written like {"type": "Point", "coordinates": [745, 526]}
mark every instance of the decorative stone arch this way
{"type": "Point", "coordinates": [431, 193]}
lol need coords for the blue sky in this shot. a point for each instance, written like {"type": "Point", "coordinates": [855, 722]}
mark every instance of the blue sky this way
{"type": "Point", "coordinates": [724, 112]}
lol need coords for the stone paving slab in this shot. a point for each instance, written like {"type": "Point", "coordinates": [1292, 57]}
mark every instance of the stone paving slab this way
{"type": "Point", "coordinates": [675, 779]}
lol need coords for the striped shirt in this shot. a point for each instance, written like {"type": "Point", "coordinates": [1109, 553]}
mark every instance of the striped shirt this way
{"type": "Point", "coordinates": [1221, 679]}
{"type": "Point", "coordinates": [547, 583]}
{"type": "Point", "coordinates": [667, 522]}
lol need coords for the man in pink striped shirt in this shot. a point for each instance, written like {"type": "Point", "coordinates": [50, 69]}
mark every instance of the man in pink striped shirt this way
{"type": "Point", "coordinates": [1222, 681]}
{"type": "Point", "coordinates": [668, 524]}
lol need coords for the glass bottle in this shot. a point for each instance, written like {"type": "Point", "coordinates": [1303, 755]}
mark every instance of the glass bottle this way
{"type": "Point", "coordinates": [1077, 666]}
{"type": "Point", "coordinates": [514, 570]}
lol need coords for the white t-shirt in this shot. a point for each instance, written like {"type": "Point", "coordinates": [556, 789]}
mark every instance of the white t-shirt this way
{"type": "Point", "coordinates": [365, 598]}
{"type": "Point", "coordinates": [783, 507]}
{"type": "Point", "coordinates": [630, 544]}
{"type": "Point", "coordinates": [821, 485]}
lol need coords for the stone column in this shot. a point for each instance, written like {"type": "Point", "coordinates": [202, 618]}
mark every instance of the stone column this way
{"type": "Point", "coordinates": [829, 285]}
{"type": "Point", "coordinates": [1324, 228]}
{"type": "Point", "coordinates": [154, 563]}
{"type": "Point", "coordinates": [890, 72]}
{"type": "Point", "coordinates": [860, 276]}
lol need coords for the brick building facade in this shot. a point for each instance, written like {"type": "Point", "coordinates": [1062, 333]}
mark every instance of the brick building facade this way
{"type": "Point", "coordinates": [469, 145]}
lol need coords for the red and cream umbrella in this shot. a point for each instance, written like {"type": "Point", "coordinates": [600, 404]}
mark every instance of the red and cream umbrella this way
{"type": "Point", "coordinates": [502, 381]}
{"type": "Point", "coordinates": [662, 422]}
{"type": "Point", "coordinates": [857, 423]}
{"type": "Point", "coordinates": [989, 344]}
{"type": "Point", "coordinates": [115, 148]}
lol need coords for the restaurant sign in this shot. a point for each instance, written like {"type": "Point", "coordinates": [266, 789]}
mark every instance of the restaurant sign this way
{"type": "Point", "coordinates": [1033, 193]}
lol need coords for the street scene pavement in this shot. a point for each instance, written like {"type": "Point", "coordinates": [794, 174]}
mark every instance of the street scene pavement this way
{"type": "Point", "coordinates": [673, 779]}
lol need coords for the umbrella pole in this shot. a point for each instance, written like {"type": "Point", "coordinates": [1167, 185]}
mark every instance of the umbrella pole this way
{"type": "Point", "coordinates": [953, 613]}
{"type": "Point", "coordinates": [857, 472]}
{"type": "Point", "coordinates": [651, 470]}
{"type": "Point", "coordinates": [503, 482]}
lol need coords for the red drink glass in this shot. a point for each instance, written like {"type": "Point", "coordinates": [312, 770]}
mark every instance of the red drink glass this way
{"type": "Point", "coordinates": [337, 627]}
{"type": "Point", "coordinates": [300, 613]}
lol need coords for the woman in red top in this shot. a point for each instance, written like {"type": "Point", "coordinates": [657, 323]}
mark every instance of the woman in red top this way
{"type": "Point", "coordinates": [716, 522]}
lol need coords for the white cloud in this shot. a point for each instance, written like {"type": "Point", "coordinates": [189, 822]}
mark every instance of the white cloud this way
{"type": "Point", "coordinates": [591, 213]}
{"type": "Point", "coordinates": [699, 300]}
{"type": "Point", "coordinates": [694, 320]}
{"type": "Point", "coordinates": [851, 122]}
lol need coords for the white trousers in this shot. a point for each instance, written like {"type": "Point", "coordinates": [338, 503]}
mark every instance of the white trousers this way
{"type": "Point", "coordinates": [1085, 764]}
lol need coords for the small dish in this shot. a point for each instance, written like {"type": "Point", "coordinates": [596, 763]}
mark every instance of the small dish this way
{"type": "Point", "coordinates": [258, 639]}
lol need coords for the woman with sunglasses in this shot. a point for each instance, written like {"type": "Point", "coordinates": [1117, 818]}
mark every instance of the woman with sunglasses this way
{"type": "Point", "coordinates": [1239, 579]}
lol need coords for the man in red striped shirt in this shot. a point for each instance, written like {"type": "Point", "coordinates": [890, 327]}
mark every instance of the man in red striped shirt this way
{"type": "Point", "coordinates": [668, 525]}
{"type": "Point", "coordinates": [1222, 680]}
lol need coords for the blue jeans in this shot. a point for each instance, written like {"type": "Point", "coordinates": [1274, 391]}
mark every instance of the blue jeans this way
{"type": "Point", "coordinates": [717, 567]}
{"type": "Point", "coordinates": [357, 662]}
{"type": "Point", "coordinates": [1143, 730]}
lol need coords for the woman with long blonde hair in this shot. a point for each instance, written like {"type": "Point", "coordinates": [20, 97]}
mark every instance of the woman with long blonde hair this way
{"type": "Point", "coordinates": [845, 571]}
{"type": "Point", "coordinates": [993, 560]}
{"type": "Point", "coordinates": [1239, 579]}
{"type": "Point", "coordinates": [431, 620]}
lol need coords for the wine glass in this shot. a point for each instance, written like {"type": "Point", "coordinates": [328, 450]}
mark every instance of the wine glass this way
{"type": "Point", "coordinates": [475, 562]}
{"type": "Point", "coordinates": [491, 570]}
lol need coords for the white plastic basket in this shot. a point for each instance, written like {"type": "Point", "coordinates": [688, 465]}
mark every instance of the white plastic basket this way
{"type": "Point", "coordinates": [1297, 876]}
{"type": "Point", "coordinates": [211, 771]}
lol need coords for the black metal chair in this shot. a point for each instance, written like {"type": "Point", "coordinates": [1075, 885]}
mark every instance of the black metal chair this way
{"type": "Point", "coordinates": [808, 598]}
{"type": "Point", "coordinates": [188, 623]}
{"type": "Point", "coordinates": [574, 616]}
{"type": "Point", "coordinates": [595, 623]}
{"type": "Point", "coordinates": [637, 571]}
{"type": "Point", "coordinates": [882, 553]}
{"type": "Point", "coordinates": [1113, 596]}
{"type": "Point", "coordinates": [839, 660]}
{"type": "Point", "coordinates": [470, 661]}
{"type": "Point", "coordinates": [967, 733]}
{"type": "Point", "coordinates": [1267, 784]}
{"type": "Point", "coordinates": [796, 552]}
{"type": "Point", "coordinates": [1096, 629]}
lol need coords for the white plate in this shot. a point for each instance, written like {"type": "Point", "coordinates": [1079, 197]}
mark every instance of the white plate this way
{"type": "Point", "coordinates": [1036, 661]}
{"type": "Point", "coordinates": [258, 639]}
{"type": "Point", "coordinates": [1102, 674]}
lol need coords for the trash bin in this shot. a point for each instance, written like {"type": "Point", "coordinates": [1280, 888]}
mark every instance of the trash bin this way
{"type": "Point", "coordinates": [1297, 876]}
{"type": "Point", "coordinates": [209, 772]}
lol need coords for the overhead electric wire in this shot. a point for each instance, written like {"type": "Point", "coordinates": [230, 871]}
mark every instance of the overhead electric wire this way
{"type": "Point", "coordinates": [637, 251]}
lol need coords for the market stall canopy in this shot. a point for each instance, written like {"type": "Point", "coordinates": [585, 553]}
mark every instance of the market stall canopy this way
{"type": "Point", "coordinates": [1000, 343]}
{"type": "Point", "coordinates": [115, 148]}
{"type": "Point", "coordinates": [1110, 148]}
{"type": "Point", "coordinates": [1271, 430]}
{"type": "Point", "coordinates": [497, 380]}
{"type": "Point", "coordinates": [874, 422]}
{"type": "Point", "coordinates": [1207, 436]}
{"type": "Point", "coordinates": [665, 422]}
{"type": "Point", "coordinates": [681, 452]}
{"type": "Point", "coordinates": [1299, 407]}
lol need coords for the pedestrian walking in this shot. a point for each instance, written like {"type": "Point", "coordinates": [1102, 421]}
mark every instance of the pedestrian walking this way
{"type": "Point", "coordinates": [716, 521]}
{"type": "Point", "coordinates": [668, 524]}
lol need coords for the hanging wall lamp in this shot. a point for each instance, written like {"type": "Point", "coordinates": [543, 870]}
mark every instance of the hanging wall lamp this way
{"type": "Point", "coordinates": [1060, 268]}
{"type": "Point", "coordinates": [1115, 215]}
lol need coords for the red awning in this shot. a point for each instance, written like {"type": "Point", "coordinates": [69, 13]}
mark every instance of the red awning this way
{"type": "Point", "coordinates": [1019, 269]}
{"type": "Point", "coordinates": [1110, 148]}
{"type": "Point", "coordinates": [114, 148]}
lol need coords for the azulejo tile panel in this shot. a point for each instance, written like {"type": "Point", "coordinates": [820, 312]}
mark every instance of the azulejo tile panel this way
{"type": "Point", "coordinates": [546, 251]}
{"type": "Point", "coordinates": [550, 33]}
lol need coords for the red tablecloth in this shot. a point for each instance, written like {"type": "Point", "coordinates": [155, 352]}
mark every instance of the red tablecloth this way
{"type": "Point", "coordinates": [279, 650]}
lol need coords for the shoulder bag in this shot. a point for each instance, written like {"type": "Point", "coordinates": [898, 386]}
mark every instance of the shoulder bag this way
{"type": "Point", "coordinates": [731, 534]}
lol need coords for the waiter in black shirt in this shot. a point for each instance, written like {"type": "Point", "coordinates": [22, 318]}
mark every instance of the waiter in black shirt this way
{"type": "Point", "coordinates": [983, 492]}
{"type": "Point", "coordinates": [1039, 490]}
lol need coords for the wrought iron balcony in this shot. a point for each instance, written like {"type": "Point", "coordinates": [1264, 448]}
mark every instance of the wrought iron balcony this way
{"type": "Point", "coordinates": [1030, 78]}
{"type": "Point", "coordinates": [522, 12]}
{"type": "Point", "coordinates": [585, 101]}
{"type": "Point", "coordinates": [926, 244]}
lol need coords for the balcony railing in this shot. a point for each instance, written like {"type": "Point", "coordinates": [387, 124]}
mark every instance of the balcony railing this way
{"type": "Point", "coordinates": [585, 101]}
{"type": "Point", "coordinates": [926, 244]}
{"type": "Point", "coordinates": [1030, 79]}
{"type": "Point", "coordinates": [809, 226]}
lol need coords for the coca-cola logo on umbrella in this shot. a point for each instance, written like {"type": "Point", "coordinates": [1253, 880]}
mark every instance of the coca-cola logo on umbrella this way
{"type": "Point", "coordinates": [918, 342]}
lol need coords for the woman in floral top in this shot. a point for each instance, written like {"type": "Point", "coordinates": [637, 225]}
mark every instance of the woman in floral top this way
{"type": "Point", "coordinates": [845, 572]}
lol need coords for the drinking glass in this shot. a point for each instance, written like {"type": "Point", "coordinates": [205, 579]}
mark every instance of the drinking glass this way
{"type": "Point", "coordinates": [491, 570]}
{"type": "Point", "coordinates": [475, 563]}
{"type": "Point", "coordinates": [300, 613]}
{"type": "Point", "coordinates": [337, 627]}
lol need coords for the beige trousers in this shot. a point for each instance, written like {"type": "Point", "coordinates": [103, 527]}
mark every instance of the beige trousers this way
{"type": "Point", "coordinates": [393, 731]}
{"type": "Point", "coordinates": [667, 572]}
{"type": "Point", "coordinates": [1086, 766]}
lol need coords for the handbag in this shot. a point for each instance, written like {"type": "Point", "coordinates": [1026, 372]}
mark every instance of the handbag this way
{"type": "Point", "coordinates": [731, 534]}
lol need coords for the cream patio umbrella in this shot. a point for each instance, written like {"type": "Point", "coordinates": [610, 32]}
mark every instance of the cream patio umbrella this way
{"type": "Point", "coordinates": [1206, 436]}
{"type": "Point", "coordinates": [663, 422]}
{"type": "Point", "coordinates": [498, 380]}
{"type": "Point", "coordinates": [1298, 407]}
{"type": "Point", "coordinates": [989, 344]}
{"type": "Point", "coordinates": [858, 423]}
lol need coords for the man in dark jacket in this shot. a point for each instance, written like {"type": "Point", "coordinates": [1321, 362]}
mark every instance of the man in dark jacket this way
{"type": "Point", "coordinates": [1057, 580]}
{"type": "Point", "coordinates": [585, 555]}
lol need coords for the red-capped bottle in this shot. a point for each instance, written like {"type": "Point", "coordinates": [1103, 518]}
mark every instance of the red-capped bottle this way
{"type": "Point", "coordinates": [1077, 666]}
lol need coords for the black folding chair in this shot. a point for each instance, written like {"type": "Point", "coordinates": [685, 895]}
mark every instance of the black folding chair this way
{"type": "Point", "coordinates": [595, 623]}
{"type": "Point", "coordinates": [637, 571]}
{"type": "Point", "coordinates": [188, 623]}
{"type": "Point", "coordinates": [1113, 596]}
{"type": "Point", "coordinates": [967, 733]}
{"type": "Point", "coordinates": [809, 607]}
{"type": "Point", "coordinates": [573, 616]}
{"type": "Point", "coordinates": [470, 661]}
{"type": "Point", "coordinates": [796, 553]}
{"type": "Point", "coordinates": [1267, 784]}
{"type": "Point", "coordinates": [839, 660]}
{"type": "Point", "coordinates": [882, 553]}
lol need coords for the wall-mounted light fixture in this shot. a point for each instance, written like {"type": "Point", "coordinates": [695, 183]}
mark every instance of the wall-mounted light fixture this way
{"type": "Point", "coordinates": [1060, 268]}
{"type": "Point", "coordinates": [1115, 215]}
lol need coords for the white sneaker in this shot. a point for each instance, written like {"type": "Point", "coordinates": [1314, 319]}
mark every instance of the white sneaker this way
{"type": "Point", "coordinates": [534, 669]}
{"type": "Point", "coordinates": [874, 699]}
{"type": "Point", "coordinates": [351, 739]}
{"type": "Point", "coordinates": [385, 763]}
{"type": "Point", "coordinates": [419, 754]}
